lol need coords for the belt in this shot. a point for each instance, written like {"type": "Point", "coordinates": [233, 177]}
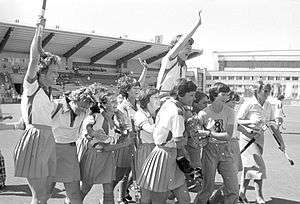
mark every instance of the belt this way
{"type": "Point", "coordinates": [72, 144]}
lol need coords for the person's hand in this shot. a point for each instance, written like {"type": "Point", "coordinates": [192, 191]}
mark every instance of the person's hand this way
{"type": "Point", "coordinates": [279, 122]}
{"type": "Point", "coordinates": [282, 147]}
{"type": "Point", "coordinates": [255, 133]}
{"type": "Point", "coordinates": [199, 21]}
{"type": "Point", "coordinates": [144, 63]}
{"type": "Point", "coordinates": [100, 148]}
{"type": "Point", "coordinates": [41, 22]}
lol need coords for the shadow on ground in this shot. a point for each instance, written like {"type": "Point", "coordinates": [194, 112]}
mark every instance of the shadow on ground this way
{"type": "Point", "coordinates": [23, 190]}
{"type": "Point", "coordinates": [281, 201]}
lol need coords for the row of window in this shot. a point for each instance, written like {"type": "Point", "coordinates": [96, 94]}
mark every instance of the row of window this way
{"type": "Point", "coordinates": [271, 78]}
{"type": "Point", "coordinates": [295, 86]}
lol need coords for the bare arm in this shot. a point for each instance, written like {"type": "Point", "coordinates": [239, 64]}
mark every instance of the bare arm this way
{"type": "Point", "coordinates": [142, 78]}
{"type": "Point", "coordinates": [246, 132]}
{"type": "Point", "coordinates": [183, 40]}
{"type": "Point", "coordinates": [99, 134]}
{"type": "Point", "coordinates": [34, 51]}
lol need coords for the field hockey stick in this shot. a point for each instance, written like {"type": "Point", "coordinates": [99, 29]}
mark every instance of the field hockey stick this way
{"type": "Point", "coordinates": [272, 128]}
{"type": "Point", "coordinates": [249, 143]}
{"type": "Point", "coordinates": [42, 52]}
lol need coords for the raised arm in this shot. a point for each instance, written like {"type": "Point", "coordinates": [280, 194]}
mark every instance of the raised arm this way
{"type": "Point", "coordinates": [34, 51]}
{"type": "Point", "coordinates": [142, 78]}
{"type": "Point", "coordinates": [184, 40]}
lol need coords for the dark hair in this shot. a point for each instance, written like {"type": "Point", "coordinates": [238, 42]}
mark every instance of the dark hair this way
{"type": "Point", "coordinates": [233, 97]}
{"type": "Point", "coordinates": [126, 82]}
{"type": "Point", "coordinates": [145, 95]}
{"type": "Point", "coordinates": [176, 39]}
{"type": "Point", "coordinates": [260, 86]}
{"type": "Point", "coordinates": [199, 95]}
{"type": "Point", "coordinates": [217, 88]}
{"type": "Point", "coordinates": [95, 108]}
{"type": "Point", "coordinates": [182, 86]}
{"type": "Point", "coordinates": [123, 93]}
{"type": "Point", "coordinates": [46, 61]}
{"type": "Point", "coordinates": [280, 97]}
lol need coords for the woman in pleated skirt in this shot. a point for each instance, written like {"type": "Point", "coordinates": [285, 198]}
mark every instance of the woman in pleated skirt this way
{"type": "Point", "coordinates": [35, 153]}
{"type": "Point", "coordinates": [160, 172]}
{"type": "Point", "coordinates": [96, 166]}
{"type": "Point", "coordinates": [67, 121]}
{"type": "Point", "coordinates": [129, 89]}
{"type": "Point", "coordinates": [148, 103]}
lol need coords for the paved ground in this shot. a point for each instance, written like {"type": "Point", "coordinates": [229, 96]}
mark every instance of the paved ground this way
{"type": "Point", "coordinates": [281, 187]}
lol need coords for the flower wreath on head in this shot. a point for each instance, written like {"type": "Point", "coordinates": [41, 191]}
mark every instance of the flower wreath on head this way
{"type": "Point", "coordinates": [126, 81]}
{"type": "Point", "coordinates": [105, 95]}
{"type": "Point", "coordinates": [82, 94]}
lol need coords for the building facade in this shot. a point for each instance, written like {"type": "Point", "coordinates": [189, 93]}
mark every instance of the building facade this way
{"type": "Point", "coordinates": [240, 70]}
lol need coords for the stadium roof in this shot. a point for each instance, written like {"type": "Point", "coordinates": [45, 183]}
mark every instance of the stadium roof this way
{"type": "Point", "coordinates": [17, 38]}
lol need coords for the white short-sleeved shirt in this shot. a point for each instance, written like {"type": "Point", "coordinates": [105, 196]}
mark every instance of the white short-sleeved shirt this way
{"type": "Point", "coordinates": [169, 124]}
{"type": "Point", "coordinates": [220, 120]}
{"type": "Point", "coordinates": [64, 130]}
{"type": "Point", "coordinates": [40, 106]}
{"type": "Point", "coordinates": [141, 118]}
{"type": "Point", "coordinates": [128, 110]}
{"type": "Point", "coordinates": [252, 110]}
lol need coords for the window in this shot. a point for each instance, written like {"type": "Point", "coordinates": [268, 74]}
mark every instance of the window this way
{"type": "Point", "coordinates": [223, 77]}
{"type": "Point", "coordinates": [230, 77]}
{"type": "Point", "coordinates": [295, 78]}
{"type": "Point", "coordinates": [239, 78]}
{"type": "Point", "coordinates": [270, 78]}
{"type": "Point", "coordinates": [278, 78]}
{"type": "Point", "coordinates": [208, 77]}
{"type": "Point", "coordinates": [287, 78]}
{"type": "Point", "coordinates": [215, 77]}
{"type": "Point", "coordinates": [246, 77]}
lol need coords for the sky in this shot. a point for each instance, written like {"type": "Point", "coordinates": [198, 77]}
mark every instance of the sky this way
{"type": "Point", "coordinates": [227, 25]}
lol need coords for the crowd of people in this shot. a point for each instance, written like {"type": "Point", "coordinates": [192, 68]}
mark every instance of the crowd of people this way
{"type": "Point", "coordinates": [153, 139]}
